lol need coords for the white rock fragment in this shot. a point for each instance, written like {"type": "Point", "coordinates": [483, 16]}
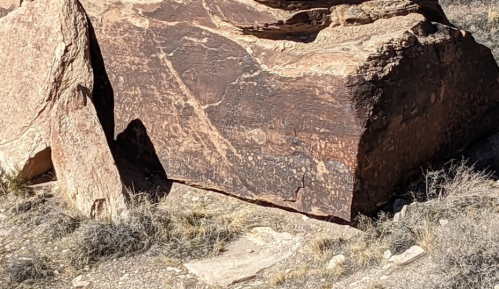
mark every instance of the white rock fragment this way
{"type": "Point", "coordinates": [336, 261]}
{"type": "Point", "coordinates": [387, 254]}
{"type": "Point", "coordinates": [443, 222]}
{"type": "Point", "coordinates": [400, 215]}
{"type": "Point", "coordinates": [408, 256]}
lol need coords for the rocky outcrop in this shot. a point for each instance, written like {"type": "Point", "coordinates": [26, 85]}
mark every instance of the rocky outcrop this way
{"type": "Point", "coordinates": [48, 118]}
{"type": "Point", "coordinates": [319, 106]}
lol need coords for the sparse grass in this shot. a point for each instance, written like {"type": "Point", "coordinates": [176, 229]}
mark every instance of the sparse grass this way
{"type": "Point", "coordinates": [14, 184]}
{"type": "Point", "coordinates": [481, 17]}
{"type": "Point", "coordinates": [29, 270]}
{"type": "Point", "coordinates": [191, 234]}
{"type": "Point", "coordinates": [202, 232]}
{"type": "Point", "coordinates": [323, 248]}
{"type": "Point", "coordinates": [465, 251]}
{"type": "Point", "coordinates": [134, 233]}
{"type": "Point", "coordinates": [64, 225]}
{"type": "Point", "coordinates": [301, 275]}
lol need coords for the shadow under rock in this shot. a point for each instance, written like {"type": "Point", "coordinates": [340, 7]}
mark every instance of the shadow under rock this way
{"type": "Point", "coordinates": [138, 162]}
{"type": "Point", "coordinates": [133, 150]}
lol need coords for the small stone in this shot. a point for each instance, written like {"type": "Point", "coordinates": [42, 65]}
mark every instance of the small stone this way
{"type": "Point", "coordinates": [56, 272]}
{"type": "Point", "coordinates": [177, 270]}
{"type": "Point", "coordinates": [250, 251]}
{"type": "Point", "coordinates": [496, 286]}
{"type": "Point", "coordinates": [400, 215]}
{"type": "Point", "coordinates": [384, 277]}
{"type": "Point", "coordinates": [124, 276]}
{"type": "Point", "coordinates": [304, 218]}
{"type": "Point", "coordinates": [387, 254]}
{"type": "Point", "coordinates": [408, 256]}
{"type": "Point", "coordinates": [335, 261]}
{"type": "Point", "coordinates": [80, 284]}
{"type": "Point", "coordinates": [443, 222]}
{"type": "Point", "coordinates": [86, 268]}
{"type": "Point", "coordinates": [287, 271]}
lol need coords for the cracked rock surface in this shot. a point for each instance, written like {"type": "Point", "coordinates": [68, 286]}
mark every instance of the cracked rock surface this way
{"type": "Point", "coordinates": [48, 119]}
{"type": "Point", "coordinates": [317, 106]}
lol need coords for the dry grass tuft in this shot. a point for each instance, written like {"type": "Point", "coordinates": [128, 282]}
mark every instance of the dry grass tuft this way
{"type": "Point", "coordinates": [323, 248]}
{"type": "Point", "coordinates": [14, 184]}
{"type": "Point", "coordinates": [29, 270]}
{"type": "Point", "coordinates": [191, 234]}
{"type": "Point", "coordinates": [278, 279]}
{"type": "Point", "coordinates": [134, 233]}
{"type": "Point", "coordinates": [468, 250]}
{"type": "Point", "coordinates": [202, 232]}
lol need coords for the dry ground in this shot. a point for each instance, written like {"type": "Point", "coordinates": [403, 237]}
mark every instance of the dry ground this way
{"type": "Point", "coordinates": [480, 17]}
{"type": "Point", "coordinates": [44, 244]}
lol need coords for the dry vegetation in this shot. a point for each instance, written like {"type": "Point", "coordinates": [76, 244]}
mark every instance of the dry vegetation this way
{"type": "Point", "coordinates": [199, 232]}
{"type": "Point", "coordinates": [465, 247]}
{"type": "Point", "coordinates": [481, 17]}
{"type": "Point", "coordinates": [454, 219]}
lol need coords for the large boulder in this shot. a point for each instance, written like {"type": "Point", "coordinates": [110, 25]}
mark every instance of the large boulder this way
{"type": "Point", "coordinates": [308, 105]}
{"type": "Point", "coordinates": [46, 113]}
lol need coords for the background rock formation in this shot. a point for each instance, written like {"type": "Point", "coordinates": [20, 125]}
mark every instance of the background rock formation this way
{"type": "Point", "coordinates": [320, 106]}
{"type": "Point", "coordinates": [47, 116]}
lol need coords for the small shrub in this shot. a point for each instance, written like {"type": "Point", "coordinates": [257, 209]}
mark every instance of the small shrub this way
{"type": "Point", "coordinates": [324, 248]}
{"type": "Point", "coordinates": [28, 269]}
{"type": "Point", "coordinates": [95, 240]}
{"type": "Point", "coordinates": [467, 252]}
{"type": "Point", "coordinates": [64, 225]}
{"type": "Point", "coordinates": [200, 232]}
{"type": "Point", "coordinates": [14, 184]}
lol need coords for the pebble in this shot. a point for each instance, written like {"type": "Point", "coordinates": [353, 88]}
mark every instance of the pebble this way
{"type": "Point", "coordinates": [443, 222]}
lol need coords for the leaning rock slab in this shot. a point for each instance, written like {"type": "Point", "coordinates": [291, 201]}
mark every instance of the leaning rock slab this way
{"type": "Point", "coordinates": [259, 249]}
{"type": "Point", "coordinates": [308, 105]}
{"type": "Point", "coordinates": [46, 114]}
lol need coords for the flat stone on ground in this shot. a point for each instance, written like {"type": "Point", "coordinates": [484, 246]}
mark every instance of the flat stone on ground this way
{"type": "Point", "coordinates": [237, 264]}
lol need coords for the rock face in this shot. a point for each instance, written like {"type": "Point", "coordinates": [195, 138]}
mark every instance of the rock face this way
{"type": "Point", "coordinates": [48, 118]}
{"type": "Point", "coordinates": [311, 105]}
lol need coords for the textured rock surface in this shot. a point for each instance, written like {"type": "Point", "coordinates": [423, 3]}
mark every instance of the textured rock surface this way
{"type": "Point", "coordinates": [311, 105]}
{"type": "Point", "coordinates": [259, 249]}
{"type": "Point", "coordinates": [47, 117]}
